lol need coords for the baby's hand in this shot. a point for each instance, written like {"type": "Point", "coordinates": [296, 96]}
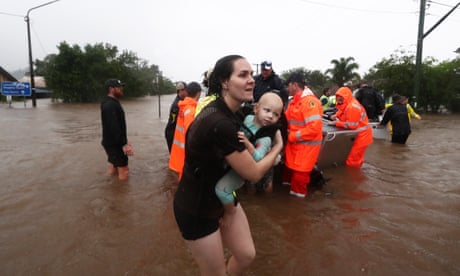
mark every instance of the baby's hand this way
{"type": "Point", "coordinates": [243, 139]}
{"type": "Point", "coordinates": [241, 136]}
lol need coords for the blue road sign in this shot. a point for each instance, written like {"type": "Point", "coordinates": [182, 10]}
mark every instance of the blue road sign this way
{"type": "Point", "coordinates": [16, 88]}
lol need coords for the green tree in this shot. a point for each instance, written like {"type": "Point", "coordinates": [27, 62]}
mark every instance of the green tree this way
{"type": "Point", "coordinates": [440, 83]}
{"type": "Point", "coordinates": [442, 86]}
{"type": "Point", "coordinates": [78, 75]}
{"type": "Point", "coordinates": [394, 74]}
{"type": "Point", "coordinates": [343, 71]}
{"type": "Point", "coordinates": [315, 79]}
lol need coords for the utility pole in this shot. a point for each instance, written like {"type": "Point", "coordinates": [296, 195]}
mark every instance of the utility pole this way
{"type": "Point", "coordinates": [418, 58]}
{"type": "Point", "coordinates": [420, 37]}
{"type": "Point", "coordinates": [159, 78]}
{"type": "Point", "coordinates": [31, 65]}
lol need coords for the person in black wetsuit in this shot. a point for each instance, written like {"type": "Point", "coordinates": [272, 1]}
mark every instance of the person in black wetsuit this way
{"type": "Point", "coordinates": [212, 148]}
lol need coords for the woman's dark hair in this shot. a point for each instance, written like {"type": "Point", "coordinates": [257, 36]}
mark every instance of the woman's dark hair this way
{"type": "Point", "coordinates": [222, 72]}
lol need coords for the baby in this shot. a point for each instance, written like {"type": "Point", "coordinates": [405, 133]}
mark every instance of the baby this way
{"type": "Point", "coordinates": [257, 134]}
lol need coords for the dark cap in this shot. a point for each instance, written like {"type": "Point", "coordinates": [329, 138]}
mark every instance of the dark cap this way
{"type": "Point", "coordinates": [113, 83]}
{"type": "Point", "coordinates": [266, 65]}
{"type": "Point", "coordinates": [396, 98]}
{"type": "Point", "coordinates": [296, 77]}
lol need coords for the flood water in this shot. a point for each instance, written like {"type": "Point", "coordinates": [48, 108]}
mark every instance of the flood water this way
{"type": "Point", "coordinates": [61, 215]}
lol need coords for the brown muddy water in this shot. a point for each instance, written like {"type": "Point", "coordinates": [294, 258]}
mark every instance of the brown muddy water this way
{"type": "Point", "coordinates": [61, 215]}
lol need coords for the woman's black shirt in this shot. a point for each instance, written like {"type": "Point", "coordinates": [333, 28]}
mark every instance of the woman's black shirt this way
{"type": "Point", "coordinates": [211, 136]}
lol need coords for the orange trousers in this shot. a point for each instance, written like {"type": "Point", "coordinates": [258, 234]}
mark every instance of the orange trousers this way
{"type": "Point", "coordinates": [356, 156]}
{"type": "Point", "coordinates": [299, 180]}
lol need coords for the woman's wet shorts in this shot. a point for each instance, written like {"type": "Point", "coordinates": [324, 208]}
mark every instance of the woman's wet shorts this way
{"type": "Point", "coordinates": [194, 227]}
{"type": "Point", "coordinates": [116, 156]}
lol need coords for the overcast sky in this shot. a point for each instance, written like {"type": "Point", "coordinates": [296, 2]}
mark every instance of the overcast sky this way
{"type": "Point", "coordinates": [185, 37]}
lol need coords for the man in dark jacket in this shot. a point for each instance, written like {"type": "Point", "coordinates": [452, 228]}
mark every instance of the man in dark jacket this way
{"type": "Point", "coordinates": [114, 137]}
{"type": "Point", "coordinates": [268, 80]}
{"type": "Point", "coordinates": [372, 101]}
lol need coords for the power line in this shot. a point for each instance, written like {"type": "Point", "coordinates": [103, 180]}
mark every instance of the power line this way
{"type": "Point", "coordinates": [39, 41]}
{"type": "Point", "coordinates": [441, 4]}
{"type": "Point", "coordinates": [439, 16]}
{"type": "Point", "coordinates": [11, 14]}
{"type": "Point", "coordinates": [357, 9]}
{"type": "Point", "coordinates": [35, 32]}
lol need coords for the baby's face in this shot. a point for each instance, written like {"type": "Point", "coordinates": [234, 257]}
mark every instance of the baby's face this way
{"type": "Point", "coordinates": [268, 110]}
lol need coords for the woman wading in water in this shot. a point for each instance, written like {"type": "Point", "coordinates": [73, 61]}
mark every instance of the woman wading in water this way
{"type": "Point", "coordinates": [212, 147]}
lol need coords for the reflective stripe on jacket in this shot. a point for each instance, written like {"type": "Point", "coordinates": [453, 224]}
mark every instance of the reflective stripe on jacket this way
{"type": "Point", "coordinates": [305, 132]}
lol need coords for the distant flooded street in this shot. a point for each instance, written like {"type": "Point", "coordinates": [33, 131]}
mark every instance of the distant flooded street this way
{"type": "Point", "coordinates": [61, 215]}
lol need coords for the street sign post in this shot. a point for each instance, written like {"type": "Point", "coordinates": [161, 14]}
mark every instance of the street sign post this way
{"type": "Point", "coordinates": [12, 88]}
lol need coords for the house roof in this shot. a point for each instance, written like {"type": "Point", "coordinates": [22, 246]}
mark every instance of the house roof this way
{"type": "Point", "coordinates": [7, 75]}
{"type": "Point", "coordinates": [39, 81]}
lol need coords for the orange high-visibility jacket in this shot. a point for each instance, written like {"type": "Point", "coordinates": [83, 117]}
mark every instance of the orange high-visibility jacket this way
{"type": "Point", "coordinates": [352, 115]}
{"type": "Point", "coordinates": [185, 117]}
{"type": "Point", "coordinates": [305, 131]}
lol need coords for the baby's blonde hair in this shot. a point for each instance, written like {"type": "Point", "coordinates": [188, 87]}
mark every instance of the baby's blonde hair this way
{"type": "Point", "coordinates": [272, 96]}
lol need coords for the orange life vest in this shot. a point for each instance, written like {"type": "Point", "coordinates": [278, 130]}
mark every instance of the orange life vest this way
{"type": "Point", "coordinates": [185, 117]}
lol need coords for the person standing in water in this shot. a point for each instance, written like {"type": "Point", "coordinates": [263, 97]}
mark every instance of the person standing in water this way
{"type": "Point", "coordinates": [114, 134]}
{"type": "Point", "coordinates": [305, 135]}
{"type": "Point", "coordinates": [352, 115]}
{"type": "Point", "coordinates": [185, 117]}
{"type": "Point", "coordinates": [397, 114]}
{"type": "Point", "coordinates": [212, 146]}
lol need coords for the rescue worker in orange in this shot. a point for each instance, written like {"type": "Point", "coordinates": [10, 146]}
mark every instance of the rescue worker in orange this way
{"type": "Point", "coordinates": [185, 117]}
{"type": "Point", "coordinates": [352, 115]}
{"type": "Point", "coordinates": [305, 134]}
